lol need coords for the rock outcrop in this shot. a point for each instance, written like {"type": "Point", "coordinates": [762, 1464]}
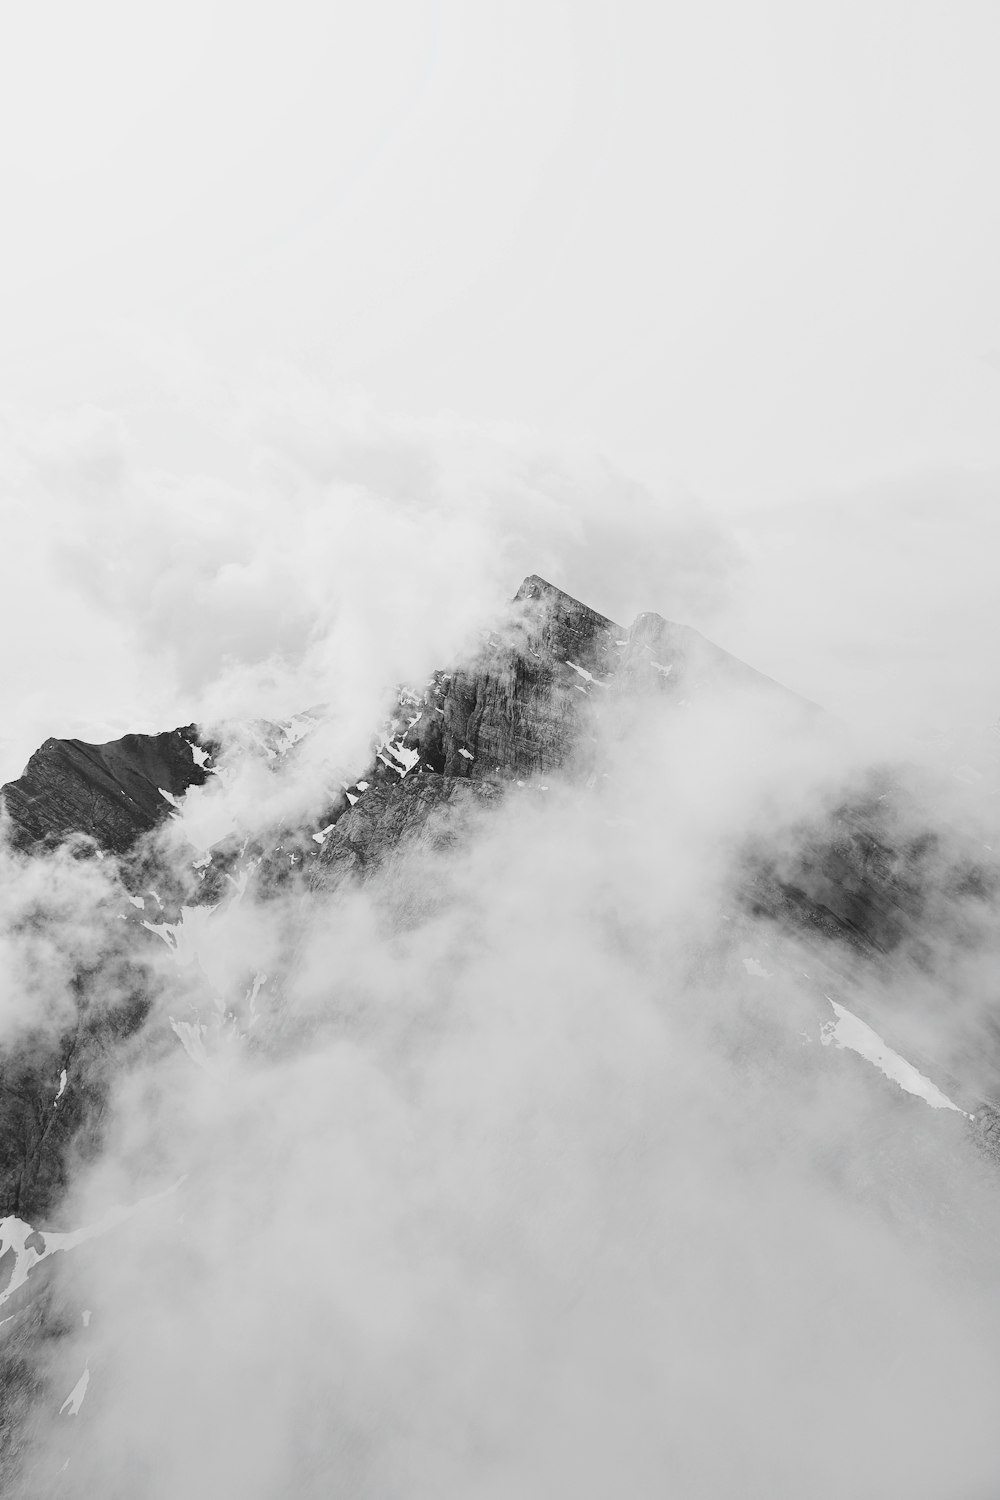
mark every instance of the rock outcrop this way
{"type": "Point", "coordinates": [112, 793]}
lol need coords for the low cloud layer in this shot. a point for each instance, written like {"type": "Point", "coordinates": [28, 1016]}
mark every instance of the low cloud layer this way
{"type": "Point", "coordinates": [525, 1169]}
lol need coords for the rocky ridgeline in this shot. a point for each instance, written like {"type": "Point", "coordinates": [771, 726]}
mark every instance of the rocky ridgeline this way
{"type": "Point", "coordinates": [528, 706]}
{"type": "Point", "coordinates": [112, 793]}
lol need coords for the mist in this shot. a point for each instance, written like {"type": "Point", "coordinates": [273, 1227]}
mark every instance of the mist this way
{"type": "Point", "coordinates": [579, 1140]}
{"type": "Point", "coordinates": [523, 1167]}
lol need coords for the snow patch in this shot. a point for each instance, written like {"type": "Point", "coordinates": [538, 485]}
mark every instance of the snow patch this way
{"type": "Point", "coordinates": [466, 753]}
{"type": "Point", "coordinates": [848, 1030]}
{"type": "Point", "coordinates": [587, 676]}
{"type": "Point", "coordinates": [71, 1406]}
{"type": "Point", "coordinates": [15, 1232]}
{"type": "Point", "coordinates": [62, 1088]}
{"type": "Point", "coordinates": [407, 758]}
{"type": "Point", "coordinates": [294, 730]}
{"type": "Point", "coordinates": [174, 801]}
{"type": "Point", "coordinates": [191, 1035]}
{"type": "Point", "coordinates": [183, 937]}
{"type": "Point", "coordinates": [251, 996]}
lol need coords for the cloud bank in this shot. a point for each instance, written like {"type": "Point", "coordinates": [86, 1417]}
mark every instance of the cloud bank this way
{"type": "Point", "coordinates": [523, 1167]}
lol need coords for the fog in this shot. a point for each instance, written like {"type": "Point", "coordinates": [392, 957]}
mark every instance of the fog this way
{"type": "Point", "coordinates": [524, 1169]}
{"type": "Point", "coordinates": [535, 1163]}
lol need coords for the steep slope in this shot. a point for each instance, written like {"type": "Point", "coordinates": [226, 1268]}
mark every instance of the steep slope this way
{"type": "Point", "coordinates": [523, 705]}
{"type": "Point", "coordinates": [113, 792]}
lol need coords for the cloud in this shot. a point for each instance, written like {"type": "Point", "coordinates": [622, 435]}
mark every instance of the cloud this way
{"type": "Point", "coordinates": [517, 1176]}
{"type": "Point", "coordinates": [877, 601]}
{"type": "Point", "coordinates": [356, 551]}
{"type": "Point", "coordinates": [55, 927]}
{"type": "Point", "coordinates": [522, 1167]}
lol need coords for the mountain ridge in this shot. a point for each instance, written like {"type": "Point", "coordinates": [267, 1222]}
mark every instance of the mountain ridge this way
{"type": "Point", "coordinates": [525, 706]}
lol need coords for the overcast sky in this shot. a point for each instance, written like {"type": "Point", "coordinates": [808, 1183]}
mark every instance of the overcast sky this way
{"type": "Point", "coordinates": [744, 253]}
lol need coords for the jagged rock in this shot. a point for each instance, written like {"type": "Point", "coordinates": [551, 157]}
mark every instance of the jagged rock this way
{"type": "Point", "coordinates": [53, 1087]}
{"type": "Point", "coordinates": [113, 793]}
{"type": "Point", "coordinates": [428, 808]}
{"type": "Point", "coordinates": [524, 706]}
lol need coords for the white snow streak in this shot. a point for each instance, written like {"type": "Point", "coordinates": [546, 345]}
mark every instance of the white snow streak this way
{"type": "Point", "coordinates": [14, 1232]}
{"type": "Point", "coordinates": [587, 676]}
{"type": "Point", "coordinates": [191, 1035]}
{"type": "Point", "coordinates": [71, 1406]}
{"type": "Point", "coordinates": [851, 1032]}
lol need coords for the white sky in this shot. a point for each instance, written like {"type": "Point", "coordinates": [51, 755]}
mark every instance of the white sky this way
{"type": "Point", "coordinates": [746, 250]}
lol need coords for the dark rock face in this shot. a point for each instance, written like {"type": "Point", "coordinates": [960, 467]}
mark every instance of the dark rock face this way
{"type": "Point", "coordinates": [52, 1096]}
{"type": "Point", "coordinates": [518, 709]}
{"type": "Point", "coordinates": [53, 1086]}
{"type": "Point", "coordinates": [110, 792]}
{"type": "Point", "coordinates": [428, 808]}
{"type": "Point", "coordinates": [873, 875]}
{"type": "Point", "coordinates": [525, 705]}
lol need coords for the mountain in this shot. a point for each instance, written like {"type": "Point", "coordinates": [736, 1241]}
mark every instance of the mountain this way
{"type": "Point", "coordinates": [112, 793]}
{"type": "Point", "coordinates": [861, 882]}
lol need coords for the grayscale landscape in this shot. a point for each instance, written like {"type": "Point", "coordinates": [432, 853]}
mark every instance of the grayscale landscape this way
{"type": "Point", "coordinates": [499, 833]}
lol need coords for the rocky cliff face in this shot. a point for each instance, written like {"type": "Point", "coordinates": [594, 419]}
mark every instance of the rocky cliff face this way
{"type": "Point", "coordinates": [524, 706]}
{"type": "Point", "coordinates": [112, 793]}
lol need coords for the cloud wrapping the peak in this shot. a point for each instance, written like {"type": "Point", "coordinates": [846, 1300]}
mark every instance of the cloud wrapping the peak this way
{"type": "Point", "coordinates": [519, 1178]}
{"type": "Point", "coordinates": [353, 552]}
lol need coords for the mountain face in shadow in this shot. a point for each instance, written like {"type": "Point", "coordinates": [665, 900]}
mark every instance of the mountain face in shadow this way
{"type": "Point", "coordinates": [111, 793]}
